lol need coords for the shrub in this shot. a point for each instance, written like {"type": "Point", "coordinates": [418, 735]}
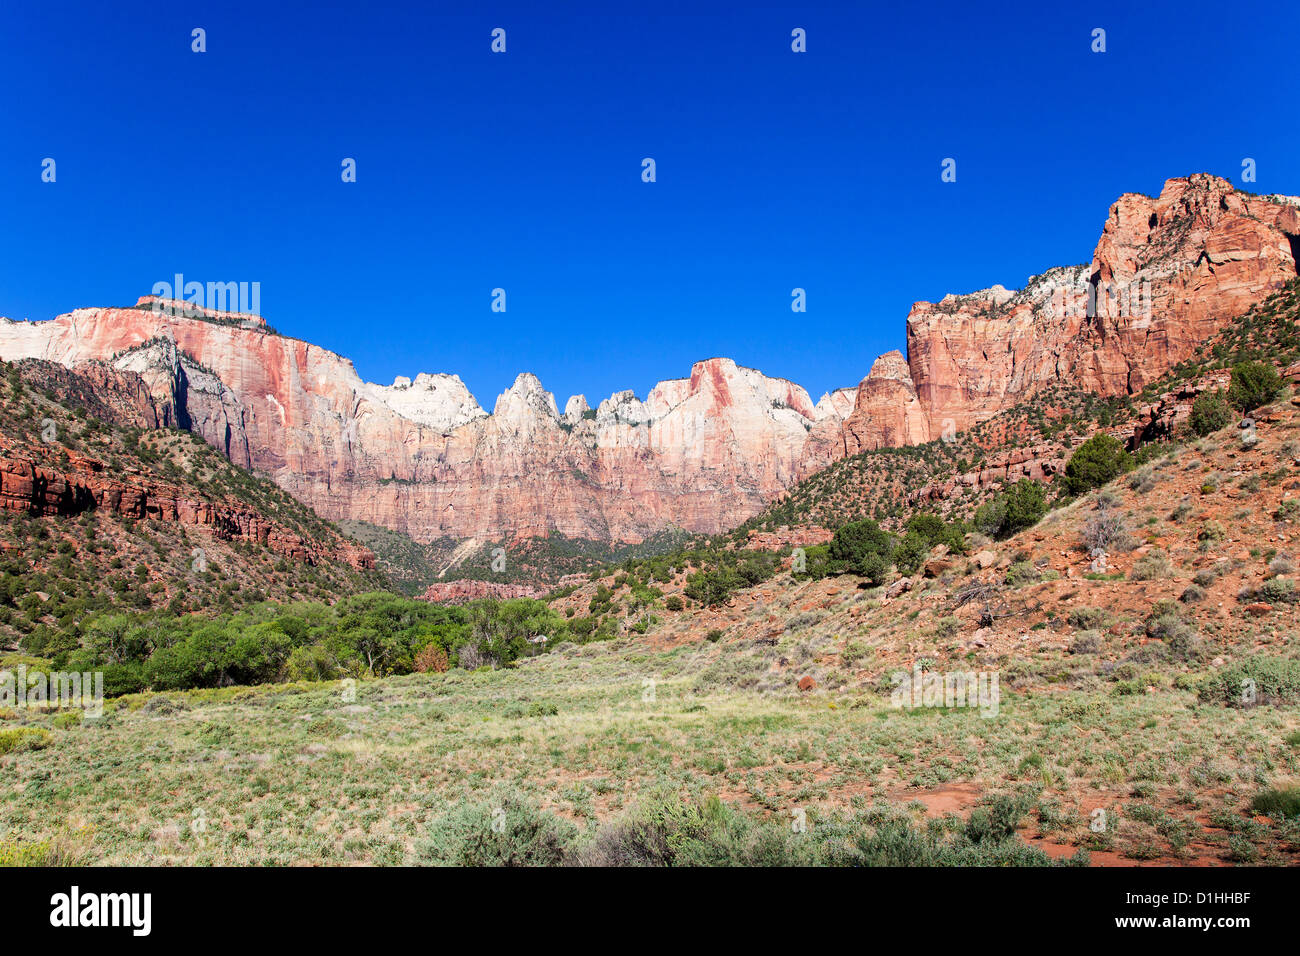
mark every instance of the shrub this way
{"type": "Point", "coordinates": [1089, 618]}
{"type": "Point", "coordinates": [21, 739]}
{"type": "Point", "coordinates": [1282, 564]}
{"type": "Point", "coordinates": [1086, 642]}
{"type": "Point", "coordinates": [505, 831]}
{"type": "Point", "coordinates": [1143, 480]}
{"type": "Point", "coordinates": [1275, 680]}
{"type": "Point", "coordinates": [668, 832]}
{"type": "Point", "coordinates": [1162, 625]}
{"type": "Point", "coordinates": [1100, 459]}
{"type": "Point", "coordinates": [1154, 564]}
{"type": "Point", "coordinates": [432, 658]}
{"type": "Point", "coordinates": [1277, 803]}
{"type": "Point", "coordinates": [1014, 509]}
{"type": "Point", "coordinates": [1211, 531]}
{"type": "Point", "coordinates": [13, 853]}
{"type": "Point", "coordinates": [1210, 412]}
{"type": "Point", "coordinates": [1253, 384]}
{"type": "Point", "coordinates": [947, 626]}
{"type": "Point", "coordinates": [1277, 591]}
{"type": "Point", "coordinates": [862, 546]}
{"type": "Point", "coordinates": [1105, 530]}
{"type": "Point", "coordinates": [1021, 573]}
{"type": "Point", "coordinates": [673, 603]}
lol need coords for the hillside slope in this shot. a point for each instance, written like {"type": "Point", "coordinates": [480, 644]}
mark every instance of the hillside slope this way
{"type": "Point", "coordinates": [101, 507]}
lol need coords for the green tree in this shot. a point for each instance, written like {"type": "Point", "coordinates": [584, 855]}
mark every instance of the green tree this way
{"type": "Point", "coordinates": [1210, 412]}
{"type": "Point", "coordinates": [1253, 384]}
{"type": "Point", "coordinates": [934, 530]}
{"type": "Point", "coordinates": [1020, 506]}
{"type": "Point", "coordinates": [714, 585]}
{"type": "Point", "coordinates": [875, 568]}
{"type": "Point", "coordinates": [911, 552]}
{"type": "Point", "coordinates": [1100, 459]}
{"type": "Point", "coordinates": [855, 543]}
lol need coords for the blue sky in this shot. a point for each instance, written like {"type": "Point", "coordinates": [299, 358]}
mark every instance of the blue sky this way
{"type": "Point", "coordinates": [522, 170]}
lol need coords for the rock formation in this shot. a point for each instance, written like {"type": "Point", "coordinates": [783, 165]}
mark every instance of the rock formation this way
{"type": "Point", "coordinates": [36, 488]}
{"type": "Point", "coordinates": [1166, 274]}
{"type": "Point", "coordinates": [703, 452]}
{"type": "Point", "coordinates": [467, 589]}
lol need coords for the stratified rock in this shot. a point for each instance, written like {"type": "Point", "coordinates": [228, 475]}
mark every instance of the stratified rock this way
{"type": "Point", "coordinates": [1200, 254]}
{"type": "Point", "coordinates": [701, 453]}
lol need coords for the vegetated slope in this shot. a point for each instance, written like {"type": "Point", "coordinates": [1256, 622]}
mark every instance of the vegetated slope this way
{"type": "Point", "coordinates": [1119, 729]}
{"type": "Point", "coordinates": [536, 563]}
{"type": "Point", "coordinates": [1119, 684]}
{"type": "Point", "coordinates": [408, 564]}
{"type": "Point", "coordinates": [102, 509]}
{"type": "Point", "coordinates": [1158, 615]}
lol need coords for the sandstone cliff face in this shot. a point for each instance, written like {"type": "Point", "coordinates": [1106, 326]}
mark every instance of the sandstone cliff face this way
{"type": "Point", "coordinates": [423, 458]}
{"type": "Point", "coordinates": [703, 452]}
{"type": "Point", "coordinates": [887, 412]}
{"type": "Point", "coordinates": [1166, 274]}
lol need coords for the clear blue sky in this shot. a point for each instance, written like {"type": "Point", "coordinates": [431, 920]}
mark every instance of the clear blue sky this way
{"type": "Point", "coordinates": [522, 171]}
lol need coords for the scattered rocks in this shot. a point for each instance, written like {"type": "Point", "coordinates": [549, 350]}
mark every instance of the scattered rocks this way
{"type": "Point", "coordinates": [938, 566]}
{"type": "Point", "coordinates": [901, 586]}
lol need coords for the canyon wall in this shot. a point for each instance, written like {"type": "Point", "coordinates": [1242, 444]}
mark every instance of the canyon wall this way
{"type": "Point", "coordinates": [1166, 274]}
{"type": "Point", "coordinates": [703, 452]}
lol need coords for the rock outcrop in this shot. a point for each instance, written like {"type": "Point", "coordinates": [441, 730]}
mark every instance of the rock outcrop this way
{"type": "Point", "coordinates": [700, 453]}
{"type": "Point", "coordinates": [467, 589]}
{"type": "Point", "coordinates": [1038, 462]}
{"type": "Point", "coordinates": [36, 488]}
{"type": "Point", "coordinates": [1166, 274]}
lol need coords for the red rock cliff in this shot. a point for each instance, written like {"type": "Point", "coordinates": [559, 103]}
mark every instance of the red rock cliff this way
{"type": "Point", "coordinates": [703, 452]}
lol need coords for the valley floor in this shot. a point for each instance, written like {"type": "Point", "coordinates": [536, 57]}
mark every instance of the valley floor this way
{"type": "Point", "coordinates": [315, 774]}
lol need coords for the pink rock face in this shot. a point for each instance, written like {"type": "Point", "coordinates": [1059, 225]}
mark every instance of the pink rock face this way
{"type": "Point", "coordinates": [1168, 272]}
{"type": "Point", "coordinates": [696, 453]}
{"type": "Point", "coordinates": [704, 452]}
{"type": "Point", "coordinates": [887, 413]}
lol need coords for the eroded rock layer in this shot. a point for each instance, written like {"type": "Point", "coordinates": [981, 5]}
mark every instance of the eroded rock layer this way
{"type": "Point", "coordinates": [703, 452]}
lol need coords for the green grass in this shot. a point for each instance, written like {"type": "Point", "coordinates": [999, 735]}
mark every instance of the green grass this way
{"type": "Point", "coordinates": [589, 742]}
